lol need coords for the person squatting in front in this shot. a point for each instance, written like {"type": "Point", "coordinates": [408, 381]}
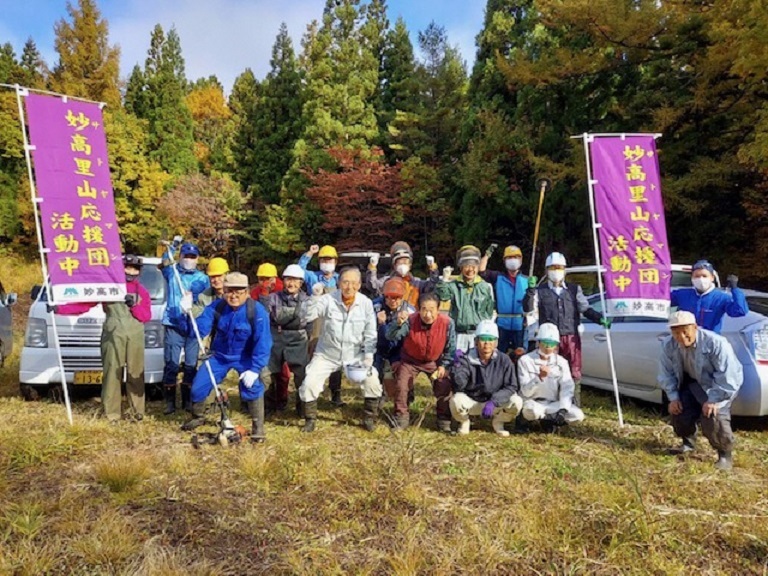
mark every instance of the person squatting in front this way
{"type": "Point", "coordinates": [470, 296]}
{"type": "Point", "coordinates": [288, 325]}
{"type": "Point", "coordinates": [484, 383]}
{"type": "Point", "coordinates": [701, 375]}
{"type": "Point", "coordinates": [388, 352]}
{"type": "Point", "coordinates": [563, 304]}
{"type": "Point", "coordinates": [546, 385]}
{"type": "Point", "coordinates": [194, 282]}
{"type": "Point", "coordinates": [428, 345]}
{"type": "Point", "coordinates": [348, 341]}
{"type": "Point", "coordinates": [240, 341]}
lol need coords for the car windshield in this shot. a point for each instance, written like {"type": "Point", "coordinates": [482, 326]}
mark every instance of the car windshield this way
{"type": "Point", "coordinates": [758, 304]}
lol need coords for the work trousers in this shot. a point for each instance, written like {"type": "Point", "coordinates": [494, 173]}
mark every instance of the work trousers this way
{"type": "Point", "coordinates": [318, 371]}
{"type": "Point", "coordinates": [716, 429]}
{"type": "Point", "coordinates": [406, 373]}
{"type": "Point", "coordinates": [463, 406]}
{"type": "Point", "coordinates": [122, 347]}
{"type": "Point", "coordinates": [220, 367]}
{"type": "Point", "coordinates": [175, 342]}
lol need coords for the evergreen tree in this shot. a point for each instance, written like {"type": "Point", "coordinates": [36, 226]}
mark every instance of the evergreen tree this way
{"type": "Point", "coordinates": [35, 69]}
{"type": "Point", "coordinates": [158, 95]}
{"type": "Point", "coordinates": [88, 66]}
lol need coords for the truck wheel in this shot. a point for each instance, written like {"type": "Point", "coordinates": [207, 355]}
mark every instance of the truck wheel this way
{"type": "Point", "coordinates": [32, 393]}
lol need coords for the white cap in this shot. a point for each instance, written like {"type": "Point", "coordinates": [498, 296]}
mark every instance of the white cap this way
{"type": "Point", "coordinates": [555, 259]}
{"type": "Point", "coordinates": [487, 328]}
{"type": "Point", "coordinates": [681, 318]}
{"type": "Point", "coordinates": [548, 331]}
{"type": "Point", "coordinates": [293, 271]}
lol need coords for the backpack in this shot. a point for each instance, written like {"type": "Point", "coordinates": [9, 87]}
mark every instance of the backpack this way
{"type": "Point", "coordinates": [250, 312]}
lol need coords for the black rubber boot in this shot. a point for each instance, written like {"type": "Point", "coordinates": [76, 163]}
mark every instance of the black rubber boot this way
{"type": "Point", "coordinates": [256, 408]}
{"type": "Point", "coordinates": [198, 416]}
{"type": "Point", "coordinates": [169, 394]}
{"type": "Point", "coordinates": [186, 393]}
{"type": "Point", "coordinates": [724, 460]}
{"type": "Point", "coordinates": [521, 424]}
{"type": "Point", "coordinates": [371, 410]}
{"type": "Point", "coordinates": [334, 383]}
{"type": "Point", "coordinates": [310, 416]}
{"type": "Point", "coordinates": [402, 421]}
{"type": "Point", "coordinates": [443, 425]}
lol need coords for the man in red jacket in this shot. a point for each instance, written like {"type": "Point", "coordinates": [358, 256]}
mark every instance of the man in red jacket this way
{"type": "Point", "coordinates": [429, 342]}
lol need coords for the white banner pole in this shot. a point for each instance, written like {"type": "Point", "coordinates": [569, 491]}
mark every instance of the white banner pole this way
{"type": "Point", "coordinates": [21, 91]}
{"type": "Point", "coordinates": [587, 139]}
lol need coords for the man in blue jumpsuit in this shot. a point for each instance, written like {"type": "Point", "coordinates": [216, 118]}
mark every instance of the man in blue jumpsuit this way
{"type": "Point", "coordinates": [708, 304]}
{"type": "Point", "coordinates": [239, 343]}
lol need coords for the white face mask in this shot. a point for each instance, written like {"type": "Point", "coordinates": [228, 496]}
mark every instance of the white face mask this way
{"type": "Point", "coordinates": [702, 284]}
{"type": "Point", "coordinates": [513, 263]}
{"type": "Point", "coordinates": [555, 276]}
{"type": "Point", "coordinates": [402, 269]}
{"type": "Point", "coordinates": [188, 263]}
{"type": "Point", "coordinates": [327, 267]}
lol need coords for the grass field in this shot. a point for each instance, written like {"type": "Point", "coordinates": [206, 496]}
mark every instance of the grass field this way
{"type": "Point", "coordinates": [594, 499]}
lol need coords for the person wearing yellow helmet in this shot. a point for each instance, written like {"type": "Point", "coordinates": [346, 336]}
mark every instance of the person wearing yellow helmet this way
{"type": "Point", "coordinates": [216, 270]}
{"type": "Point", "coordinates": [267, 281]}
{"type": "Point", "coordinates": [328, 279]}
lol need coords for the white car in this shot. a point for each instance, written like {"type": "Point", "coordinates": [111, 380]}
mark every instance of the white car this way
{"type": "Point", "coordinates": [636, 343]}
{"type": "Point", "coordinates": [80, 341]}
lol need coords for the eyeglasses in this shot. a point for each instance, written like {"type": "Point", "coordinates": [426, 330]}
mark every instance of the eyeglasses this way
{"type": "Point", "coordinates": [487, 338]}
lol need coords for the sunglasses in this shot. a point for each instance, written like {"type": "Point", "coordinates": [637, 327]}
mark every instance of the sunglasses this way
{"type": "Point", "coordinates": [487, 338]}
{"type": "Point", "coordinates": [550, 343]}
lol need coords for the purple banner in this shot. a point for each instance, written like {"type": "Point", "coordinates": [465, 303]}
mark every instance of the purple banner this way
{"type": "Point", "coordinates": [633, 232]}
{"type": "Point", "coordinates": [77, 206]}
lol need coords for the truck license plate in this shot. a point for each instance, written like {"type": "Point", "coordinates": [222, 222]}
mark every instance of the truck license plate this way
{"type": "Point", "coordinates": [86, 377]}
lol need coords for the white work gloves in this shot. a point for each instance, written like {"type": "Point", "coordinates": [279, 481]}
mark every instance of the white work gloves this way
{"type": "Point", "coordinates": [318, 289]}
{"type": "Point", "coordinates": [430, 261]}
{"type": "Point", "coordinates": [249, 378]}
{"type": "Point", "coordinates": [186, 302]}
{"type": "Point", "coordinates": [447, 273]}
{"type": "Point", "coordinates": [374, 260]}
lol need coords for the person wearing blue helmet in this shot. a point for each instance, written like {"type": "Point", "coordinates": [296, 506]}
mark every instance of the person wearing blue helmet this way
{"type": "Point", "coordinates": [708, 304]}
{"type": "Point", "coordinates": [194, 281]}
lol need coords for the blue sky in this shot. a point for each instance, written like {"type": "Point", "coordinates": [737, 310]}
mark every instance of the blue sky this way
{"type": "Point", "coordinates": [222, 37]}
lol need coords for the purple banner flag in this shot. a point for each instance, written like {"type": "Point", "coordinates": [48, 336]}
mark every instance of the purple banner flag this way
{"type": "Point", "coordinates": [633, 232]}
{"type": "Point", "coordinates": [77, 206]}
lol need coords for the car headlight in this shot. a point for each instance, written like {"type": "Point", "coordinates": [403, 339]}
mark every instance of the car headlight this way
{"type": "Point", "coordinates": [36, 335]}
{"type": "Point", "coordinates": [154, 335]}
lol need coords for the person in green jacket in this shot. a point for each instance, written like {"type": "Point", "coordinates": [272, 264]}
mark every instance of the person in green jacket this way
{"type": "Point", "coordinates": [470, 296]}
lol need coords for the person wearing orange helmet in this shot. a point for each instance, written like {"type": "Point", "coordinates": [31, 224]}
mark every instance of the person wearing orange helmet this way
{"type": "Point", "coordinates": [402, 262]}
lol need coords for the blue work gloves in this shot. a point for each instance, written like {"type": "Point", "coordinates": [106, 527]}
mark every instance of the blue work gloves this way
{"type": "Point", "coordinates": [249, 378]}
{"type": "Point", "coordinates": [532, 281]}
{"type": "Point", "coordinates": [605, 323]}
{"type": "Point", "coordinates": [732, 281]}
{"type": "Point", "coordinates": [488, 409]}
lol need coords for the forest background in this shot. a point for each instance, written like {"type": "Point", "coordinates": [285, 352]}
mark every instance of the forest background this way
{"type": "Point", "coordinates": [359, 137]}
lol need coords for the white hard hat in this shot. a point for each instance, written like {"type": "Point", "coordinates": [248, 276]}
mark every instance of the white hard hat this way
{"type": "Point", "coordinates": [356, 373]}
{"type": "Point", "coordinates": [555, 259]}
{"type": "Point", "coordinates": [487, 328]}
{"type": "Point", "coordinates": [293, 271]}
{"type": "Point", "coordinates": [548, 331]}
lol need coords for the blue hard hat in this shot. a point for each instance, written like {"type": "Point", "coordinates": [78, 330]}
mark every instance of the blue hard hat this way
{"type": "Point", "coordinates": [189, 248]}
{"type": "Point", "coordinates": [704, 265]}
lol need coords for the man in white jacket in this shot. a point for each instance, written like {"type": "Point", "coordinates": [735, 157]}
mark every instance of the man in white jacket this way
{"type": "Point", "coordinates": [546, 384]}
{"type": "Point", "coordinates": [348, 341]}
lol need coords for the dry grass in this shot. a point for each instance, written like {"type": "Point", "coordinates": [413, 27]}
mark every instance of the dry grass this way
{"type": "Point", "coordinates": [595, 499]}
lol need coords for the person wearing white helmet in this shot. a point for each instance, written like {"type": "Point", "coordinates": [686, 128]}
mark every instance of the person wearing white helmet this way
{"type": "Point", "coordinates": [348, 337]}
{"type": "Point", "coordinates": [509, 288]}
{"type": "Point", "coordinates": [546, 384]}
{"type": "Point", "coordinates": [484, 383]}
{"type": "Point", "coordinates": [562, 304]}
{"type": "Point", "coordinates": [701, 375]}
{"type": "Point", "coordinates": [288, 324]}
{"type": "Point", "coordinates": [402, 262]}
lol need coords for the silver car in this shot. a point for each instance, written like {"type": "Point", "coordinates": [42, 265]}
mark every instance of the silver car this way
{"type": "Point", "coordinates": [637, 344]}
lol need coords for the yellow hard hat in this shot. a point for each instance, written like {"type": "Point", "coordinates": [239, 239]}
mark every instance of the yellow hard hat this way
{"type": "Point", "coordinates": [510, 251]}
{"type": "Point", "coordinates": [217, 266]}
{"type": "Point", "coordinates": [327, 252]}
{"type": "Point", "coordinates": [267, 270]}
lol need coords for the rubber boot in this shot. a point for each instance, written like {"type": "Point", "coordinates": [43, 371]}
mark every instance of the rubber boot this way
{"type": "Point", "coordinates": [256, 408]}
{"type": "Point", "coordinates": [198, 416]}
{"type": "Point", "coordinates": [169, 394]}
{"type": "Point", "coordinates": [186, 393]}
{"type": "Point", "coordinates": [334, 383]}
{"type": "Point", "coordinates": [688, 445]}
{"type": "Point", "coordinates": [310, 416]}
{"type": "Point", "coordinates": [577, 393]}
{"type": "Point", "coordinates": [443, 425]}
{"type": "Point", "coordinates": [498, 427]}
{"type": "Point", "coordinates": [299, 406]}
{"type": "Point", "coordinates": [402, 421]}
{"type": "Point", "coordinates": [371, 411]}
{"type": "Point", "coordinates": [548, 423]}
{"type": "Point", "coordinates": [521, 424]}
{"type": "Point", "coordinates": [464, 426]}
{"type": "Point", "coordinates": [724, 460]}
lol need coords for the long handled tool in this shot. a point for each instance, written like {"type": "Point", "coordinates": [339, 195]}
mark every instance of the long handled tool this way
{"type": "Point", "coordinates": [228, 432]}
{"type": "Point", "coordinates": [543, 184]}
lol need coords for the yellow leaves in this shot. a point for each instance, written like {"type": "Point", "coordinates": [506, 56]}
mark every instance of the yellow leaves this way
{"type": "Point", "coordinates": [208, 103]}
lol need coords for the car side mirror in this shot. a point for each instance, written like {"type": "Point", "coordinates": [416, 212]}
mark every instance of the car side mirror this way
{"type": "Point", "coordinates": [35, 292]}
{"type": "Point", "coordinates": [11, 299]}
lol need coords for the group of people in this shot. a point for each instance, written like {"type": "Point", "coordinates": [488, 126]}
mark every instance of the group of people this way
{"type": "Point", "coordinates": [467, 332]}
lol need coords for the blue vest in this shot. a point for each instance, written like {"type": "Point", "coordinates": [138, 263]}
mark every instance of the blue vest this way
{"type": "Point", "coordinates": [509, 301]}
